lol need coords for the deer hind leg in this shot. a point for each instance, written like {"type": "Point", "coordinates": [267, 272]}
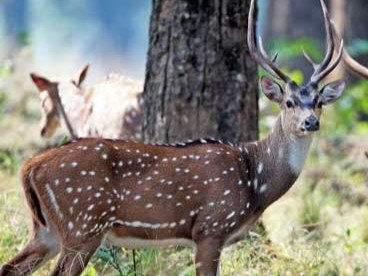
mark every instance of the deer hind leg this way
{"type": "Point", "coordinates": [41, 247]}
{"type": "Point", "coordinates": [75, 257]}
{"type": "Point", "coordinates": [208, 256]}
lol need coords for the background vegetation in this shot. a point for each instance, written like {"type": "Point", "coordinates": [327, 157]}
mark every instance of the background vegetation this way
{"type": "Point", "coordinates": [318, 228]}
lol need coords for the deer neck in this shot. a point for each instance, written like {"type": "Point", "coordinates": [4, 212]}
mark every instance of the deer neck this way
{"type": "Point", "coordinates": [275, 163]}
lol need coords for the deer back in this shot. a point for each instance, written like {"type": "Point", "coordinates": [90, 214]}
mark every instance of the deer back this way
{"type": "Point", "coordinates": [94, 186]}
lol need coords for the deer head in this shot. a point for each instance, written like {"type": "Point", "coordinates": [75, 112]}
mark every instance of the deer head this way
{"type": "Point", "coordinates": [301, 106]}
{"type": "Point", "coordinates": [52, 107]}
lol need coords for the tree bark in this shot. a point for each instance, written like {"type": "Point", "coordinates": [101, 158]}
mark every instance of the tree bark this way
{"type": "Point", "coordinates": [200, 80]}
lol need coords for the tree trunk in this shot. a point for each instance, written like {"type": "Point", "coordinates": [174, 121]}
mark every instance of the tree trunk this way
{"type": "Point", "coordinates": [200, 80]}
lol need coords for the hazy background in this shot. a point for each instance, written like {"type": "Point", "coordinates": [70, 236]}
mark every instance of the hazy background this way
{"type": "Point", "coordinates": [111, 35]}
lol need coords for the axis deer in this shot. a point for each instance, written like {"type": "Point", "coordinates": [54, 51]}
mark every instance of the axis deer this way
{"type": "Point", "coordinates": [110, 109]}
{"type": "Point", "coordinates": [203, 193]}
{"type": "Point", "coordinates": [116, 108]}
{"type": "Point", "coordinates": [64, 100]}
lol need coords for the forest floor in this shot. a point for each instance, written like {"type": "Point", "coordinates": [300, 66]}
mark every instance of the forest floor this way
{"type": "Point", "coordinates": [320, 227]}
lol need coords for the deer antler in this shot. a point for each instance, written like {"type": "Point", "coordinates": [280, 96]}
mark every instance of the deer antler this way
{"type": "Point", "coordinates": [260, 54]}
{"type": "Point", "coordinates": [327, 65]}
{"type": "Point", "coordinates": [353, 65]}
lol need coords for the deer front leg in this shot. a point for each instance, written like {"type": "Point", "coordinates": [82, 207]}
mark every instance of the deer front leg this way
{"type": "Point", "coordinates": [74, 258]}
{"type": "Point", "coordinates": [208, 256]}
{"type": "Point", "coordinates": [41, 247]}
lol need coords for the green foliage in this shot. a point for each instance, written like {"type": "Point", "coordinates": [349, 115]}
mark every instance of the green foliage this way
{"type": "Point", "coordinates": [110, 257]}
{"type": "Point", "coordinates": [90, 271]}
{"type": "Point", "coordinates": [351, 108]}
{"type": "Point", "coordinates": [9, 160]}
{"type": "Point", "coordinates": [294, 48]}
{"type": "Point", "coordinates": [2, 104]}
{"type": "Point", "coordinates": [23, 38]}
{"type": "Point", "coordinates": [63, 140]}
{"type": "Point", "coordinates": [357, 47]}
{"type": "Point", "coordinates": [5, 69]}
{"type": "Point", "coordinates": [12, 236]}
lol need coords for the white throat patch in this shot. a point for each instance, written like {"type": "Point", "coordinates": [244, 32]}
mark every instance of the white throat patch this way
{"type": "Point", "coordinates": [298, 152]}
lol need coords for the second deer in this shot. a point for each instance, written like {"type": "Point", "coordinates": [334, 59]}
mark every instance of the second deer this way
{"type": "Point", "coordinates": [203, 193]}
{"type": "Point", "coordinates": [109, 109]}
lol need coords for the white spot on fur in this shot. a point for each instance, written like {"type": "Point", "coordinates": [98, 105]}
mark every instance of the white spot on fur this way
{"type": "Point", "coordinates": [70, 225]}
{"type": "Point", "coordinates": [260, 168]}
{"type": "Point", "coordinates": [137, 197]}
{"type": "Point", "coordinates": [263, 188]}
{"type": "Point", "coordinates": [229, 216]}
{"type": "Point", "coordinates": [53, 200]}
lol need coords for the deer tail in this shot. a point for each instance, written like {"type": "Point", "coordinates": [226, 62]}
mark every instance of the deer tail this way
{"type": "Point", "coordinates": [32, 196]}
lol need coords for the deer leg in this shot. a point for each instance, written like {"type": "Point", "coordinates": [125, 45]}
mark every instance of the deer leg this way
{"type": "Point", "coordinates": [74, 258]}
{"type": "Point", "coordinates": [208, 256]}
{"type": "Point", "coordinates": [41, 247]}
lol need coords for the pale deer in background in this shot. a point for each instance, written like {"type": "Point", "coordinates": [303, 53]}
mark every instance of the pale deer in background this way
{"type": "Point", "coordinates": [115, 109]}
{"type": "Point", "coordinates": [62, 100]}
{"type": "Point", "coordinates": [203, 193]}
{"type": "Point", "coordinates": [109, 109]}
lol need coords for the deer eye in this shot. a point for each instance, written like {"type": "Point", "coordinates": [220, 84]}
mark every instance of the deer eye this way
{"type": "Point", "coordinates": [289, 104]}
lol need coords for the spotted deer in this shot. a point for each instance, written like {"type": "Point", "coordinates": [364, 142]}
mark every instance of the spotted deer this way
{"type": "Point", "coordinates": [109, 109]}
{"type": "Point", "coordinates": [203, 193]}
{"type": "Point", "coordinates": [62, 100]}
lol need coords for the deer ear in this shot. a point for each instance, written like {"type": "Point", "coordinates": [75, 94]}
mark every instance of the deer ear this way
{"type": "Point", "coordinates": [271, 89]}
{"type": "Point", "coordinates": [82, 75]}
{"type": "Point", "coordinates": [41, 82]}
{"type": "Point", "coordinates": [332, 92]}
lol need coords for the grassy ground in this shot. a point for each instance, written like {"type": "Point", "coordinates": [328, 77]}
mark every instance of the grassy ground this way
{"type": "Point", "coordinates": [318, 228]}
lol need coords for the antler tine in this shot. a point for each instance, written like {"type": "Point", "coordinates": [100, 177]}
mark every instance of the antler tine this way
{"type": "Point", "coordinates": [326, 65]}
{"type": "Point", "coordinates": [275, 56]}
{"type": "Point", "coordinates": [270, 63]}
{"type": "Point", "coordinates": [332, 65]}
{"type": "Point", "coordinates": [260, 55]}
{"type": "Point", "coordinates": [309, 59]}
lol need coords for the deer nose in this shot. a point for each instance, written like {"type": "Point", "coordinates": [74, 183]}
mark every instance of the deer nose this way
{"type": "Point", "coordinates": [311, 123]}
